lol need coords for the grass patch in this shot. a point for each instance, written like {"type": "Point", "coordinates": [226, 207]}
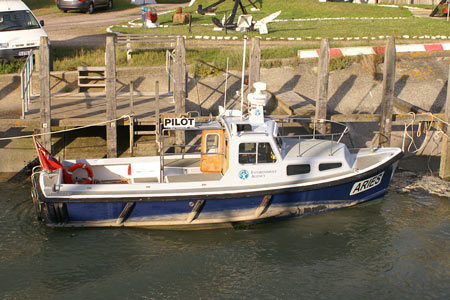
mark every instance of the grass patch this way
{"type": "Point", "coordinates": [341, 62]}
{"type": "Point", "coordinates": [11, 67]}
{"type": "Point", "coordinates": [35, 4]}
{"type": "Point", "coordinates": [413, 27]}
{"type": "Point", "coordinates": [350, 20]}
{"type": "Point", "coordinates": [68, 58]}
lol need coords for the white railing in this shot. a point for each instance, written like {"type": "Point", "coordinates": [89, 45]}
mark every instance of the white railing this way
{"type": "Point", "coordinates": [26, 79]}
{"type": "Point", "coordinates": [169, 59]}
{"type": "Point", "coordinates": [337, 130]}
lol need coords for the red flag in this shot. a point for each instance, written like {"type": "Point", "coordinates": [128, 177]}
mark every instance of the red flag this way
{"type": "Point", "coordinates": [47, 161]}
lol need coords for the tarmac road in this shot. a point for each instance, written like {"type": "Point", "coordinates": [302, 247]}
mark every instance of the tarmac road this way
{"type": "Point", "coordinates": [80, 29]}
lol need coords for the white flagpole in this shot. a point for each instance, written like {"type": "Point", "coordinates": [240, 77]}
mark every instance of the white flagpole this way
{"type": "Point", "coordinates": [226, 87]}
{"type": "Point", "coordinates": [243, 74]}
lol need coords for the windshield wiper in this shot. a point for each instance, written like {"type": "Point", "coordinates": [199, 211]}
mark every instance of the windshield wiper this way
{"type": "Point", "coordinates": [11, 27]}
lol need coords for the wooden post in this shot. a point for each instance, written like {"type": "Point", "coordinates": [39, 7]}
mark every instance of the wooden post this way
{"type": "Point", "coordinates": [44, 75]}
{"type": "Point", "coordinates": [180, 86]}
{"type": "Point", "coordinates": [128, 50]}
{"type": "Point", "coordinates": [384, 138]}
{"type": "Point", "coordinates": [322, 85]}
{"type": "Point", "coordinates": [111, 104]}
{"type": "Point", "coordinates": [37, 60]}
{"type": "Point", "coordinates": [444, 171]}
{"type": "Point", "coordinates": [255, 63]}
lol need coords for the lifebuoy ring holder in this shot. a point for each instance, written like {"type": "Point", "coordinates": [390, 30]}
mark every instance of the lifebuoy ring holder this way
{"type": "Point", "coordinates": [88, 169]}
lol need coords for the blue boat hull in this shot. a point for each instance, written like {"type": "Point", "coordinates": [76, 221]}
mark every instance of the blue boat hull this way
{"type": "Point", "coordinates": [216, 211]}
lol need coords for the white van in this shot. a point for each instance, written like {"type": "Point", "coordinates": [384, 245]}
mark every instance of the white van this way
{"type": "Point", "coordinates": [19, 30]}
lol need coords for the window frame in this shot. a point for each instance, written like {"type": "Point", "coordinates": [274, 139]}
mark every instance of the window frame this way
{"type": "Point", "coordinates": [298, 173]}
{"type": "Point", "coordinates": [330, 166]}
{"type": "Point", "coordinates": [217, 145]}
{"type": "Point", "coordinates": [255, 153]}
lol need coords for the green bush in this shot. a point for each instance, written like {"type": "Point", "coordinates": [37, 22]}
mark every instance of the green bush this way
{"type": "Point", "coordinates": [341, 62]}
{"type": "Point", "coordinates": [11, 67]}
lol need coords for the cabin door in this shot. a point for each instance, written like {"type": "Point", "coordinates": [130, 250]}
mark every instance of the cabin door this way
{"type": "Point", "coordinates": [212, 151]}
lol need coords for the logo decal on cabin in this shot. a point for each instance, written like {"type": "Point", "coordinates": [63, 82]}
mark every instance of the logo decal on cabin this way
{"type": "Point", "coordinates": [243, 174]}
{"type": "Point", "coordinates": [367, 184]}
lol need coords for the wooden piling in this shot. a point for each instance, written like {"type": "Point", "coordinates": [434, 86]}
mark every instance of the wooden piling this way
{"type": "Point", "coordinates": [384, 138]}
{"type": "Point", "coordinates": [322, 85]}
{"type": "Point", "coordinates": [254, 69]}
{"type": "Point", "coordinates": [444, 171]}
{"type": "Point", "coordinates": [44, 75]}
{"type": "Point", "coordinates": [180, 86]}
{"type": "Point", "coordinates": [111, 103]}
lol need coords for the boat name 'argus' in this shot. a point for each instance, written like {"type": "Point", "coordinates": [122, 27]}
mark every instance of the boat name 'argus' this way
{"type": "Point", "coordinates": [179, 122]}
{"type": "Point", "coordinates": [366, 184]}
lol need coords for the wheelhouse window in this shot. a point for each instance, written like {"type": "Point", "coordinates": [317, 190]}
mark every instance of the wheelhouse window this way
{"type": "Point", "coordinates": [329, 166]}
{"type": "Point", "coordinates": [298, 169]}
{"type": "Point", "coordinates": [252, 153]}
{"type": "Point", "coordinates": [244, 127]}
{"type": "Point", "coordinates": [265, 153]}
{"type": "Point", "coordinates": [212, 143]}
{"type": "Point", "coordinates": [247, 153]}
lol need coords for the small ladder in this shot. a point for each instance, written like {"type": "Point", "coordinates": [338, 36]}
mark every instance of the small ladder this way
{"type": "Point", "coordinates": [91, 77]}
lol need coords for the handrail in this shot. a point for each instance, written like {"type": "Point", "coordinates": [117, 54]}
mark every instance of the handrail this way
{"type": "Point", "coordinates": [314, 135]}
{"type": "Point", "coordinates": [344, 131]}
{"type": "Point", "coordinates": [26, 79]}
{"type": "Point", "coordinates": [169, 59]}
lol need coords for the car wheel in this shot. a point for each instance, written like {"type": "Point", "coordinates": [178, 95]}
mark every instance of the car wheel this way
{"type": "Point", "coordinates": [65, 10]}
{"type": "Point", "coordinates": [110, 4]}
{"type": "Point", "coordinates": [90, 8]}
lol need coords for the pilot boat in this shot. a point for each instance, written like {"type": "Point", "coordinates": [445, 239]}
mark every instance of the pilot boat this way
{"type": "Point", "coordinates": [244, 168]}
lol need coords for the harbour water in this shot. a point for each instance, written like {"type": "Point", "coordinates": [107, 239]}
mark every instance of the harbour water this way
{"type": "Point", "coordinates": [397, 247]}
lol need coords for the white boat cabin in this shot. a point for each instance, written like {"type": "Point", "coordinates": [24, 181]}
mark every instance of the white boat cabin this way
{"type": "Point", "coordinates": [235, 151]}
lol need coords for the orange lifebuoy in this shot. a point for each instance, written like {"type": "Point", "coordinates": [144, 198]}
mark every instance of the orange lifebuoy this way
{"type": "Point", "coordinates": [88, 169]}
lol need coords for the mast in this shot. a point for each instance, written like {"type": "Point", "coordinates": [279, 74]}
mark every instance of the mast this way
{"type": "Point", "coordinates": [243, 74]}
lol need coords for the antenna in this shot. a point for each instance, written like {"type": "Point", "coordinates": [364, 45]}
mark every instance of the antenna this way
{"type": "Point", "coordinates": [243, 74]}
{"type": "Point", "coordinates": [226, 88]}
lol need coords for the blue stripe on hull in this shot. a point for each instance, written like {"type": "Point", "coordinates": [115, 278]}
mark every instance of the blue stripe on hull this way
{"type": "Point", "coordinates": [338, 195]}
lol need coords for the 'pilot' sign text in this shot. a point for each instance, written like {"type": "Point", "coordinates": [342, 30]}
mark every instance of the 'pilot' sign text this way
{"type": "Point", "coordinates": [179, 122]}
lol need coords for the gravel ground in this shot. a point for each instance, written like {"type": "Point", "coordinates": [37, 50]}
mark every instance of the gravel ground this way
{"type": "Point", "coordinates": [78, 29]}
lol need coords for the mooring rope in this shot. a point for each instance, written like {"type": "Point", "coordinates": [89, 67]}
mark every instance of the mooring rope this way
{"type": "Point", "coordinates": [66, 130]}
{"type": "Point", "coordinates": [426, 130]}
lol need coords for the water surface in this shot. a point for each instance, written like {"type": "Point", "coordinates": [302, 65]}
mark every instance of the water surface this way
{"type": "Point", "coordinates": [397, 247]}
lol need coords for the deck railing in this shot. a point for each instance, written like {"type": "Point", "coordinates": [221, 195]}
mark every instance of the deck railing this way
{"type": "Point", "coordinates": [313, 124]}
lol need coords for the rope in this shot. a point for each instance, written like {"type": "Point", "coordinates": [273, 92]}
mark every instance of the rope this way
{"type": "Point", "coordinates": [426, 129]}
{"type": "Point", "coordinates": [66, 130]}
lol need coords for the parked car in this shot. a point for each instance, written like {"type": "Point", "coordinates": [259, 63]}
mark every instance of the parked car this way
{"type": "Point", "coordinates": [84, 5]}
{"type": "Point", "coordinates": [20, 31]}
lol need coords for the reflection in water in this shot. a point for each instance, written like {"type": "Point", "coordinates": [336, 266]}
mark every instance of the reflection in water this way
{"type": "Point", "coordinates": [393, 248]}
